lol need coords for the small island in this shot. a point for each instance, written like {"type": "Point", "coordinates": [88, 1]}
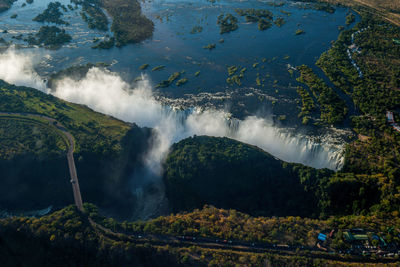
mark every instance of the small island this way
{"type": "Point", "coordinates": [5, 5]}
{"type": "Point", "coordinates": [52, 14]}
{"type": "Point", "coordinates": [171, 79]}
{"type": "Point", "coordinates": [227, 23]}
{"type": "Point", "coordinates": [210, 46]}
{"type": "Point", "coordinates": [50, 36]}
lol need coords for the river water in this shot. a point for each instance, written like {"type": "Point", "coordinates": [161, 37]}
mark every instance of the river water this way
{"type": "Point", "coordinates": [177, 49]}
{"type": "Point", "coordinates": [174, 47]}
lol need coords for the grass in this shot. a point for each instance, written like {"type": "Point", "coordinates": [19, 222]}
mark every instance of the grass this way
{"type": "Point", "coordinates": [92, 130]}
{"type": "Point", "coordinates": [23, 135]}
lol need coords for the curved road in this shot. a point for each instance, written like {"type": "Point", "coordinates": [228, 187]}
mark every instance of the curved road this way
{"type": "Point", "coordinates": [70, 153]}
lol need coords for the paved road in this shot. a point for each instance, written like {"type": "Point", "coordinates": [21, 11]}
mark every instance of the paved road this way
{"type": "Point", "coordinates": [237, 245]}
{"type": "Point", "coordinates": [70, 153]}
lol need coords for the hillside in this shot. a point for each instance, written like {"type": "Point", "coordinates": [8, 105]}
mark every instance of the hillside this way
{"type": "Point", "coordinates": [233, 175]}
{"type": "Point", "coordinates": [230, 174]}
{"type": "Point", "coordinates": [107, 151]}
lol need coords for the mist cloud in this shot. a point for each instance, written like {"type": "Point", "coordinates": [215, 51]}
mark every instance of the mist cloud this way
{"type": "Point", "coordinates": [18, 68]}
{"type": "Point", "coordinates": [106, 92]}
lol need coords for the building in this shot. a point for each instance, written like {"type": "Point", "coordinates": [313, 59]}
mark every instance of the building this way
{"type": "Point", "coordinates": [390, 117]}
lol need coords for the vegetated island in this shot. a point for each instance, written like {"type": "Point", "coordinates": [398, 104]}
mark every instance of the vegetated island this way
{"type": "Point", "coordinates": [129, 25]}
{"type": "Point", "coordinates": [333, 108]}
{"type": "Point", "coordinates": [52, 14]}
{"type": "Point", "coordinates": [170, 80]}
{"type": "Point", "coordinates": [93, 15]}
{"type": "Point", "coordinates": [49, 36]}
{"type": "Point", "coordinates": [227, 23]}
{"type": "Point", "coordinates": [210, 46]}
{"type": "Point", "coordinates": [6, 4]}
{"type": "Point", "coordinates": [263, 17]}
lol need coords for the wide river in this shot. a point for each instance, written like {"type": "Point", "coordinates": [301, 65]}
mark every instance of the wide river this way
{"type": "Point", "coordinates": [175, 47]}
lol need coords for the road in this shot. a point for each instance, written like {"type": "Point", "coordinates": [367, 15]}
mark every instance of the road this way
{"type": "Point", "coordinates": [380, 11]}
{"type": "Point", "coordinates": [70, 153]}
{"type": "Point", "coordinates": [236, 245]}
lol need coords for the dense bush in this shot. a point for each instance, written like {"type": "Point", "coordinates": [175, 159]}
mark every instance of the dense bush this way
{"type": "Point", "coordinates": [229, 174]}
{"type": "Point", "coordinates": [52, 14]}
{"type": "Point", "coordinates": [50, 36]}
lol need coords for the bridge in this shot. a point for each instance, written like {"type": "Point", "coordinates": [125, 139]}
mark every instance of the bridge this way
{"type": "Point", "coordinates": [63, 132]}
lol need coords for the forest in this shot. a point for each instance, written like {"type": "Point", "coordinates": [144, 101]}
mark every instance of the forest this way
{"type": "Point", "coordinates": [229, 174]}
